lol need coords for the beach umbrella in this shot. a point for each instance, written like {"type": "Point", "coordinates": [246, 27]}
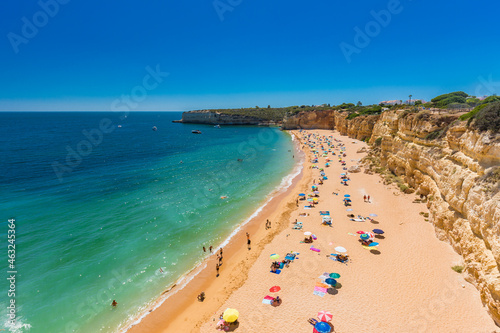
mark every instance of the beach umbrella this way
{"type": "Point", "coordinates": [347, 195]}
{"type": "Point", "coordinates": [378, 231]}
{"type": "Point", "coordinates": [310, 200]}
{"type": "Point", "coordinates": [334, 275]}
{"type": "Point", "coordinates": [307, 233]}
{"type": "Point", "coordinates": [275, 256]}
{"type": "Point", "coordinates": [360, 232]}
{"type": "Point", "coordinates": [340, 249]}
{"type": "Point", "coordinates": [331, 281]}
{"type": "Point", "coordinates": [316, 192]}
{"type": "Point", "coordinates": [373, 215]}
{"type": "Point", "coordinates": [325, 316]}
{"type": "Point", "coordinates": [322, 327]}
{"type": "Point", "coordinates": [373, 244]}
{"type": "Point", "coordinates": [302, 194]}
{"type": "Point", "coordinates": [275, 289]}
{"type": "Point", "coordinates": [370, 234]}
{"type": "Point", "coordinates": [349, 209]}
{"type": "Point", "coordinates": [364, 237]}
{"type": "Point", "coordinates": [342, 174]}
{"type": "Point", "coordinates": [230, 315]}
{"type": "Point", "coordinates": [315, 199]}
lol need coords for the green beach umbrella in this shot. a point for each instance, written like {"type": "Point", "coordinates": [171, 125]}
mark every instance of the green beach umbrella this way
{"type": "Point", "coordinates": [275, 256]}
{"type": "Point", "coordinates": [335, 275]}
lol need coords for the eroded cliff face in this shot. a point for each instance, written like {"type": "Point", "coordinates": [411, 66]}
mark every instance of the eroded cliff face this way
{"type": "Point", "coordinates": [360, 128]}
{"type": "Point", "coordinates": [459, 171]}
{"type": "Point", "coordinates": [457, 168]}
{"type": "Point", "coordinates": [308, 120]}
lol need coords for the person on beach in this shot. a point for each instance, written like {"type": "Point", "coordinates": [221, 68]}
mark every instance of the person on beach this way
{"type": "Point", "coordinates": [210, 248]}
{"type": "Point", "coordinates": [368, 197]}
{"type": "Point", "coordinates": [204, 250]}
{"type": "Point", "coordinates": [248, 240]}
{"type": "Point", "coordinates": [114, 303]}
{"type": "Point", "coordinates": [217, 269]}
{"type": "Point", "coordinates": [364, 198]}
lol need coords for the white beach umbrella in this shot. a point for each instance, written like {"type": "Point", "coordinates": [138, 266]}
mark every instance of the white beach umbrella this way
{"type": "Point", "coordinates": [340, 249]}
{"type": "Point", "coordinates": [308, 233]}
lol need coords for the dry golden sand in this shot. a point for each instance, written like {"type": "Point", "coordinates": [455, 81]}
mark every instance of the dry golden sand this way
{"type": "Point", "coordinates": [408, 286]}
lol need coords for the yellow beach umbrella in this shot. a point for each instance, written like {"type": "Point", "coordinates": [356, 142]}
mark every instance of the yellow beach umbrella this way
{"type": "Point", "coordinates": [230, 315]}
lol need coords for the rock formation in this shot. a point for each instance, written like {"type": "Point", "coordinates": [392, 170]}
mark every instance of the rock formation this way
{"type": "Point", "coordinates": [217, 118]}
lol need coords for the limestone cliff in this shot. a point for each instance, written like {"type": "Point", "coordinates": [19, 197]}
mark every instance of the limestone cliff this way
{"type": "Point", "coordinates": [457, 167]}
{"type": "Point", "coordinates": [217, 118]}
{"type": "Point", "coordinates": [307, 120]}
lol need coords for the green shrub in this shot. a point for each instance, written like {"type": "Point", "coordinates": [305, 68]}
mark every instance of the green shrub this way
{"type": "Point", "coordinates": [472, 114]}
{"type": "Point", "coordinates": [378, 141]}
{"type": "Point", "coordinates": [458, 268]}
{"type": "Point", "coordinates": [488, 119]}
{"type": "Point", "coordinates": [352, 115]}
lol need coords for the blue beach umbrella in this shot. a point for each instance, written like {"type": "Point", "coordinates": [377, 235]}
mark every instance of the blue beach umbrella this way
{"type": "Point", "coordinates": [302, 194]}
{"type": "Point", "coordinates": [378, 231]}
{"type": "Point", "coordinates": [364, 237]}
{"type": "Point", "coordinates": [322, 327]}
{"type": "Point", "coordinates": [347, 195]}
{"type": "Point", "coordinates": [331, 281]}
{"type": "Point", "coordinates": [373, 215]}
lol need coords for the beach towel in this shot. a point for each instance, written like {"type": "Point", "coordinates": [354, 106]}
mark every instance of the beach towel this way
{"type": "Point", "coordinates": [277, 271]}
{"type": "Point", "coordinates": [323, 290]}
{"type": "Point", "coordinates": [324, 212]}
{"type": "Point", "coordinates": [319, 293]}
{"type": "Point", "coordinates": [289, 258]}
{"type": "Point", "coordinates": [267, 301]}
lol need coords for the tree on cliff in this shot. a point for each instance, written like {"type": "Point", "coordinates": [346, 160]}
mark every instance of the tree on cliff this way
{"type": "Point", "coordinates": [359, 103]}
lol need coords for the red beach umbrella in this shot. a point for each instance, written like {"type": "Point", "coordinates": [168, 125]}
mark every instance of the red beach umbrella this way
{"type": "Point", "coordinates": [325, 316]}
{"type": "Point", "coordinates": [360, 232]}
{"type": "Point", "coordinates": [275, 289]}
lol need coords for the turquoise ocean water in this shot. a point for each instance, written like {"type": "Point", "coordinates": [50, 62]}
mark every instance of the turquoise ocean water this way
{"type": "Point", "coordinates": [102, 201]}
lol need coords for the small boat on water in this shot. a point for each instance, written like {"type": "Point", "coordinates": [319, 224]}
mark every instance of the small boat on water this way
{"type": "Point", "coordinates": [196, 131]}
{"type": "Point", "coordinates": [154, 128]}
{"type": "Point", "coordinates": [217, 126]}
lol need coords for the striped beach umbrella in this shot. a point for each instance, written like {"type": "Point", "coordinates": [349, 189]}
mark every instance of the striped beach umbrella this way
{"type": "Point", "coordinates": [275, 256]}
{"type": "Point", "coordinates": [364, 237]}
{"type": "Point", "coordinates": [325, 316]}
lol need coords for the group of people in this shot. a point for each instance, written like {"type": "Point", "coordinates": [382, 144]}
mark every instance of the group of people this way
{"type": "Point", "coordinates": [219, 263]}
{"type": "Point", "coordinates": [366, 198]}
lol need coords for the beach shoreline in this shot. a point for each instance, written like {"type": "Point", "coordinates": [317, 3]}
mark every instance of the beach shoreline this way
{"type": "Point", "coordinates": [170, 314]}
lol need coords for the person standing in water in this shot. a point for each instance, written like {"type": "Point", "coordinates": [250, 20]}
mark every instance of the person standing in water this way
{"type": "Point", "coordinates": [114, 303]}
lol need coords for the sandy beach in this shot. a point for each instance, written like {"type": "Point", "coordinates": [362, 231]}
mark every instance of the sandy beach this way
{"type": "Point", "coordinates": [405, 285]}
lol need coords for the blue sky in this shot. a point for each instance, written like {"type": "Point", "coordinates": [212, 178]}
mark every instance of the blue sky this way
{"type": "Point", "coordinates": [91, 55]}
